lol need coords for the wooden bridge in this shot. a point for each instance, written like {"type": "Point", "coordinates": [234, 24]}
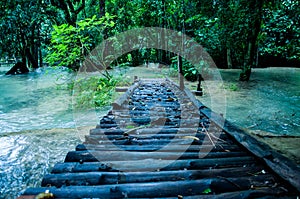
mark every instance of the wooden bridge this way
{"type": "Point", "coordinates": [158, 141]}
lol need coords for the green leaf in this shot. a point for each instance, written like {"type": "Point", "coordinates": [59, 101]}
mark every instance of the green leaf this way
{"type": "Point", "coordinates": [207, 191]}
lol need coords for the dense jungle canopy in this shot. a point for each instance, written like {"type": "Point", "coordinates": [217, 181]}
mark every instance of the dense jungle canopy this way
{"type": "Point", "coordinates": [236, 33]}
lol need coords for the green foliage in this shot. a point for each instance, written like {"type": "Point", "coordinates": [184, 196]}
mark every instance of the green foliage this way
{"type": "Point", "coordinates": [221, 26]}
{"type": "Point", "coordinates": [70, 44]}
{"type": "Point", "coordinates": [207, 191]}
{"type": "Point", "coordinates": [190, 72]}
{"type": "Point", "coordinates": [172, 72]}
{"type": "Point", "coordinates": [130, 127]}
{"type": "Point", "coordinates": [23, 29]}
{"type": "Point", "coordinates": [93, 91]}
{"type": "Point", "coordinates": [281, 31]}
{"type": "Point", "coordinates": [208, 35]}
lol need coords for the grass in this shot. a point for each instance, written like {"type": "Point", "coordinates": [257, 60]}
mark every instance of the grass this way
{"type": "Point", "coordinates": [93, 91]}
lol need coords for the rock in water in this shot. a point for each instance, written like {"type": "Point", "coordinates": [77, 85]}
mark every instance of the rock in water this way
{"type": "Point", "coordinates": [18, 68]}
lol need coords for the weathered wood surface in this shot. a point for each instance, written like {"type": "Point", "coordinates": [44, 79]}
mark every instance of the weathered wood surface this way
{"type": "Point", "coordinates": [175, 148]}
{"type": "Point", "coordinates": [280, 164]}
{"type": "Point", "coordinates": [161, 189]}
{"type": "Point", "coordinates": [121, 89]}
{"type": "Point", "coordinates": [151, 165]}
{"type": "Point", "coordinates": [92, 156]}
{"type": "Point", "coordinates": [127, 141]}
{"type": "Point", "coordinates": [162, 130]}
{"type": "Point", "coordinates": [187, 148]}
{"type": "Point", "coordinates": [98, 178]}
{"type": "Point", "coordinates": [158, 136]}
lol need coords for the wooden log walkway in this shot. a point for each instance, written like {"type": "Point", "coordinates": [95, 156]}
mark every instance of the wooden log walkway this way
{"type": "Point", "coordinates": [160, 142]}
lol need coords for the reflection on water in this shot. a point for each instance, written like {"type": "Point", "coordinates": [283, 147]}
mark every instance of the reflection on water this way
{"type": "Point", "coordinates": [270, 101]}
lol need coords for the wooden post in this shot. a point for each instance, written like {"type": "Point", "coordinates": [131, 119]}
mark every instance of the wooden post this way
{"type": "Point", "coordinates": [180, 73]}
{"type": "Point", "coordinates": [199, 91]}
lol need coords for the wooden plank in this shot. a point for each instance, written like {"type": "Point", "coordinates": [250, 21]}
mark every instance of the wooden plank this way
{"type": "Point", "coordinates": [159, 189]}
{"type": "Point", "coordinates": [225, 168]}
{"type": "Point", "coordinates": [100, 178]}
{"type": "Point", "coordinates": [123, 99]}
{"type": "Point", "coordinates": [281, 165]}
{"type": "Point", "coordinates": [262, 193]}
{"type": "Point", "coordinates": [189, 148]}
{"type": "Point", "coordinates": [187, 93]}
{"type": "Point", "coordinates": [150, 165]}
{"type": "Point", "coordinates": [94, 156]}
{"type": "Point", "coordinates": [121, 89]}
{"type": "Point", "coordinates": [179, 135]}
{"type": "Point", "coordinates": [150, 141]}
{"type": "Point", "coordinates": [146, 111]}
{"type": "Point", "coordinates": [162, 121]}
{"type": "Point", "coordinates": [147, 130]}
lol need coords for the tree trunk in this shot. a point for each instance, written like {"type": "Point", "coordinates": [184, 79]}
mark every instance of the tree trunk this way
{"type": "Point", "coordinates": [40, 57]}
{"type": "Point", "coordinates": [180, 72]}
{"type": "Point", "coordinates": [254, 29]}
{"type": "Point", "coordinates": [31, 59]}
{"type": "Point", "coordinates": [102, 7]}
{"type": "Point", "coordinates": [229, 61]}
{"type": "Point", "coordinates": [164, 40]}
{"type": "Point", "coordinates": [102, 14]}
{"type": "Point", "coordinates": [245, 75]}
{"type": "Point", "coordinates": [71, 9]}
{"type": "Point", "coordinates": [39, 49]}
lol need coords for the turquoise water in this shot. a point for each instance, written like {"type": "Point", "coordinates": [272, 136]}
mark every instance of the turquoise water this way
{"type": "Point", "coordinates": [31, 103]}
{"type": "Point", "coordinates": [269, 102]}
{"type": "Point", "coordinates": [25, 157]}
{"type": "Point", "coordinates": [34, 100]}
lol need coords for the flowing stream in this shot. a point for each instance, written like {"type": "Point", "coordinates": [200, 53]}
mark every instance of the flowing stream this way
{"type": "Point", "coordinates": [269, 102]}
{"type": "Point", "coordinates": [34, 100]}
{"type": "Point", "coordinates": [37, 126]}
